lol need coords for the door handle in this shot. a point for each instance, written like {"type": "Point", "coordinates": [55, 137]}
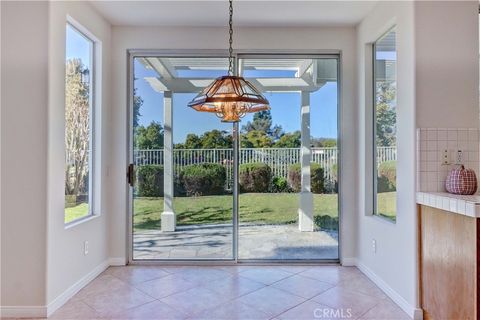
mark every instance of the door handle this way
{"type": "Point", "coordinates": [131, 174]}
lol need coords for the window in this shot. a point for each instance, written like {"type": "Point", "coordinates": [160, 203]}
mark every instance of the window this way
{"type": "Point", "coordinates": [385, 124]}
{"type": "Point", "coordinates": [78, 124]}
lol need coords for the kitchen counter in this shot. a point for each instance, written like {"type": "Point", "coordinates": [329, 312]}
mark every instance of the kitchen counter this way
{"type": "Point", "coordinates": [464, 205]}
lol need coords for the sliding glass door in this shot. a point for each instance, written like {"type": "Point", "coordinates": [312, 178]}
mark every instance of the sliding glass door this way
{"type": "Point", "coordinates": [288, 205]}
{"type": "Point", "coordinates": [184, 204]}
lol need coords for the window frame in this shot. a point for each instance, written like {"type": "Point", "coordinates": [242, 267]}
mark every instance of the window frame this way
{"type": "Point", "coordinates": [374, 161]}
{"type": "Point", "coordinates": [94, 48]}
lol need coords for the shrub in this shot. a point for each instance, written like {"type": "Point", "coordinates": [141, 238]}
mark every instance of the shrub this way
{"type": "Point", "coordinates": [387, 176]}
{"type": "Point", "coordinates": [254, 177]}
{"type": "Point", "coordinates": [326, 222]}
{"type": "Point", "coordinates": [203, 179]}
{"type": "Point", "coordinates": [149, 181]}
{"type": "Point", "coordinates": [280, 184]}
{"type": "Point", "coordinates": [317, 178]}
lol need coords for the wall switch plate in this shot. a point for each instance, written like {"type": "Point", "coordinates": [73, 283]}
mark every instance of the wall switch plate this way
{"type": "Point", "coordinates": [374, 246]}
{"type": "Point", "coordinates": [459, 157]}
{"type": "Point", "coordinates": [85, 248]}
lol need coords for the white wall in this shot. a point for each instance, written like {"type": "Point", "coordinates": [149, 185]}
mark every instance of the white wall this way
{"type": "Point", "coordinates": [277, 39]}
{"type": "Point", "coordinates": [41, 260]}
{"type": "Point", "coordinates": [67, 263]}
{"type": "Point", "coordinates": [447, 64]}
{"type": "Point", "coordinates": [437, 85]}
{"type": "Point", "coordinates": [24, 100]}
{"type": "Point", "coordinates": [395, 259]}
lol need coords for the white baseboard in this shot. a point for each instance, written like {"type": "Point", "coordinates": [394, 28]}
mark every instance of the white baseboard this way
{"type": "Point", "coordinates": [413, 312]}
{"type": "Point", "coordinates": [23, 312]}
{"type": "Point", "coordinates": [72, 290]}
{"type": "Point", "coordinates": [116, 262]}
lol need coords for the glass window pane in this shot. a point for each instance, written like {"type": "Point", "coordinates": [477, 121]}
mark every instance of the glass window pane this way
{"type": "Point", "coordinates": [385, 115]}
{"type": "Point", "coordinates": [78, 129]}
{"type": "Point", "coordinates": [288, 205]}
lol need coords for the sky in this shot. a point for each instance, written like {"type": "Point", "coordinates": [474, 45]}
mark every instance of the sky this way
{"type": "Point", "coordinates": [285, 108]}
{"type": "Point", "coordinates": [77, 46]}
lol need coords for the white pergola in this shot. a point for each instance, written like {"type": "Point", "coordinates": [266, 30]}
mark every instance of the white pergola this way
{"type": "Point", "coordinates": [179, 75]}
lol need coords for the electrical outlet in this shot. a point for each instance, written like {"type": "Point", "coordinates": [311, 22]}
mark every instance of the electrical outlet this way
{"type": "Point", "coordinates": [85, 248]}
{"type": "Point", "coordinates": [459, 157]}
{"type": "Point", "coordinates": [374, 246]}
{"type": "Point", "coordinates": [445, 157]}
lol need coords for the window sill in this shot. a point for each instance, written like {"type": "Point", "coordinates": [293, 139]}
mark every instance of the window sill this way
{"type": "Point", "coordinates": [81, 221]}
{"type": "Point", "coordinates": [383, 219]}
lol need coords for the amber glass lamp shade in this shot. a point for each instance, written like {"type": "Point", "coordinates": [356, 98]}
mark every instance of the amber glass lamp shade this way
{"type": "Point", "coordinates": [230, 98]}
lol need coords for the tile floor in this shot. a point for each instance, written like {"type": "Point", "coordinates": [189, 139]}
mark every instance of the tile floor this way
{"type": "Point", "coordinates": [233, 292]}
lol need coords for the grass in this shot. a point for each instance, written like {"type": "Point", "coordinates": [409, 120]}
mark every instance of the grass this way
{"type": "Point", "coordinates": [74, 213]}
{"type": "Point", "coordinates": [266, 208]}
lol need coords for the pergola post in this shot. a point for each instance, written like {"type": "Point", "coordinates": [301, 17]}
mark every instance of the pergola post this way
{"type": "Point", "coordinates": [169, 220]}
{"type": "Point", "coordinates": [305, 210]}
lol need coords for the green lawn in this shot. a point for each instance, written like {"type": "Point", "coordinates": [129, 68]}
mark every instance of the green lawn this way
{"type": "Point", "coordinates": [270, 208]}
{"type": "Point", "coordinates": [74, 213]}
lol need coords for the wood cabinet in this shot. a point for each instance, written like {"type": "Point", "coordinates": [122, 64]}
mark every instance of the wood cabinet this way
{"type": "Point", "coordinates": [448, 248]}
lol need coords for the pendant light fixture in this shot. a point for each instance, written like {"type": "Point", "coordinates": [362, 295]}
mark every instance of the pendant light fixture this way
{"type": "Point", "coordinates": [230, 97]}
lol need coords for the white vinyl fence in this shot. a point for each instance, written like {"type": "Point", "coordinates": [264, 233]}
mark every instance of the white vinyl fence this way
{"type": "Point", "coordinates": [278, 159]}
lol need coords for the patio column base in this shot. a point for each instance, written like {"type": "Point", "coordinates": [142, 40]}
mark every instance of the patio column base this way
{"type": "Point", "coordinates": [168, 221]}
{"type": "Point", "coordinates": [305, 212]}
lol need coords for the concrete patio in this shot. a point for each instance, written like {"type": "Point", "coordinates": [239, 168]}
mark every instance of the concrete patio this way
{"type": "Point", "coordinates": [280, 242]}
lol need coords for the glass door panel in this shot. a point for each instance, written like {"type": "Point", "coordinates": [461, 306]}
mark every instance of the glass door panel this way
{"type": "Point", "coordinates": [288, 203]}
{"type": "Point", "coordinates": [182, 201]}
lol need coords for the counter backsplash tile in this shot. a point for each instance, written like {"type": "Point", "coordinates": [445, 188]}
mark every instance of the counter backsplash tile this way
{"type": "Point", "coordinates": [431, 146]}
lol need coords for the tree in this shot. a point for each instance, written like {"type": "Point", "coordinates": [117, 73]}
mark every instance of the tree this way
{"type": "Point", "coordinates": [256, 139]}
{"type": "Point", "coordinates": [216, 139]}
{"type": "Point", "coordinates": [150, 137]}
{"type": "Point", "coordinates": [137, 104]}
{"type": "Point", "coordinates": [324, 142]}
{"type": "Point", "coordinates": [77, 127]}
{"type": "Point", "coordinates": [262, 121]}
{"type": "Point", "coordinates": [386, 116]}
{"type": "Point", "coordinates": [289, 140]}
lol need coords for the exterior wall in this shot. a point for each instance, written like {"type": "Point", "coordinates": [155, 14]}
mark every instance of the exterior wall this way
{"type": "Point", "coordinates": [395, 260]}
{"type": "Point", "coordinates": [24, 99]}
{"type": "Point", "coordinates": [268, 39]}
{"type": "Point", "coordinates": [67, 263]}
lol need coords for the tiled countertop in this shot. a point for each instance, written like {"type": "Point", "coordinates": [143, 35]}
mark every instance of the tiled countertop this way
{"type": "Point", "coordinates": [466, 205]}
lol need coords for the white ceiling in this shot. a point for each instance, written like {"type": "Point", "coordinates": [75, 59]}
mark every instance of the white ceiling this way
{"type": "Point", "coordinates": [246, 13]}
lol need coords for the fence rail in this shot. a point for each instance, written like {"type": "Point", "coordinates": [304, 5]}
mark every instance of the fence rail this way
{"type": "Point", "coordinates": [279, 159]}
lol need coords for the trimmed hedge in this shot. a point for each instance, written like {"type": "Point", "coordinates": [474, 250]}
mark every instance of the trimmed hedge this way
{"type": "Point", "coordinates": [317, 177]}
{"type": "Point", "coordinates": [387, 176]}
{"type": "Point", "coordinates": [149, 181]}
{"type": "Point", "coordinates": [254, 177]}
{"type": "Point", "coordinates": [280, 184]}
{"type": "Point", "coordinates": [203, 179]}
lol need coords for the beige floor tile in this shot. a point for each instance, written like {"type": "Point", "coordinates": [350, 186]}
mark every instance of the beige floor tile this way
{"type": "Point", "coordinates": [302, 286]}
{"type": "Point", "coordinates": [195, 300]}
{"type": "Point", "coordinates": [385, 310]}
{"type": "Point", "coordinates": [75, 309]}
{"type": "Point", "coordinates": [102, 283]}
{"type": "Point", "coordinates": [163, 287]}
{"type": "Point", "coordinates": [350, 301]}
{"type": "Point", "coordinates": [149, 311]}
{"type": "Point", "coordinates": [203, 275]}
{"type": "Point", "coordinates": [266, 275]}
{"type": "Point", "coordinates": [331, 274]}
{"type": "Point", "coordinates": [308, 310]}
{"type": "Point", "coordinates": [271, 301]}
{"type": "Point", "coordinates": [232, 310]}
{"type": "Point", "coordinates": [363, 285]}
{"type": "Point", "coordinates": [117, 300]}
{"type": "Point", "coordinates": [233, 287]}
{"type": "Point", "coordinates": [137, 274]}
